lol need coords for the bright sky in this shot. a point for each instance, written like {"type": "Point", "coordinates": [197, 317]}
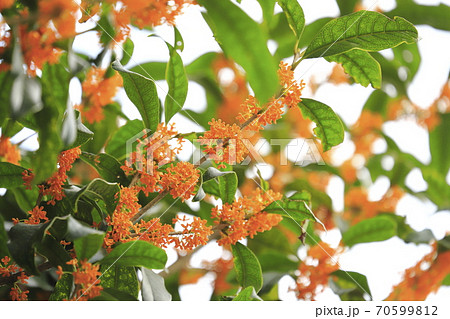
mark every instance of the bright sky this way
{"type": "Point", "coordinates": [385, 259]}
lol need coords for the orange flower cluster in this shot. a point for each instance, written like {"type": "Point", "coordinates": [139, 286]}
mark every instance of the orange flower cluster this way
{"type": "Point", "coordinates": [36, 214]}
{"type": "Point", "coordinates": [9, 152]}
{"type": "Point", "coordinates": [338, 75]}
{"type": "Point", "coordinates": [315, 271]}
{"type": "Point", "coordinates": [194, 233]}
{"type": "Point", "coordinates": [429, 117]}
{"type": "Point", "coordinates": [98, 91]}
{"type": "Point", "coordinates": [85, 278]}
{"type": "Point", "coordinates": [358, 206]}
{"type": "Point", "coordinates": [53, 186]}
{"type": "Point", "coordinates": [126, 208]}
{"type": "Point", "coordinates": [6, 269]}
{"type": "Point", "coordinates": [151, 152]}
{"type": "Point", "coordinates": [221, 267]}
{"type": "Point", "coordinates": [5, 4]}
{"type": "Point", "coordinates": [364, 132]}
{"type": "Point", "coordinates": [123, 230]}
{"type": "Point", "coordinates": [224, 142]}
{"type": "Point", "coordinates": [423, 278]}
{"type": "Point", "coordinates": [181, 180]}
{"type": "Point", "coordinates": [27, 177]}
{"type": "Point", "coordinates": [244, 217]}
{"type": "Point", "coordinates": [234, 92]}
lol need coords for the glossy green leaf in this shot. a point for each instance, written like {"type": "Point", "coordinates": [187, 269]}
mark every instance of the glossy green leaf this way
{"type": "Point", "coordinates": [111, 294]}
{"type": "Point", "coordinates": [63, 288]}
{"type": "Point", "coordinates": [153, 70]}
{"type": "Point", "coordinates": [370, 230]}
{"type": "Point", "coordinates": [267, 7]}
{"type": "Point", "coordinates": [23, 238]}
{"type": "Point", "coordinates": [294, 208]}
{"type": "Point", "coordinates": [107, 166]}
{"type": "Point", "coordinates": [273, 239]}
{"type": "Point", "coordinates": [243, 40]}
{"type": "Point", "coordinates": [84, 134]}
{"type": "Point", "coordinates": [138, 254]}
{"type": "Point", "coordinates": [227, 186]}
{"type": "Point", "coordinates": [121, 279]}
{"type": "Point", "coordinates": [247, 294]}
{"type": "Point", "coordinates": [116, 146]}
{"type": "Point", "coordinates": [3, 239]}
{"type": "Point", "coordinates": [350, 281]}
{"type": "Point", "coordinates": [361, 66]}
{"type": "Point", "coordinates": [178, 84]}
{"type": "Point", "coordinates": [10, 175]}
{"type": "Point", "coordinates": [248, 269]}
{"type": "Point", "coordinates": [142, 92]}
{"type": "Point", "coordinates": [127, 49]}
{"type": "Point", "coordinates": [54, 252]}
{"type": "Point", "coordinates": [366, 30]}
{"type": "Point", "coordinates": [435, 16]}
{"type": "Point", "coordinates": [346, 6]}
{"type": "Point", "coordinates": [329, 127]}
{"type": "Point", "coordinates": [179, 42]}
{"type": "Point", "coordinates": [99, 189]}
{"type": "Point", "coordinates": [153, 288]}
{"type": "Point", "coordinates": [295, 16]}
{"type": "Point", "coordinates": [440, 152]}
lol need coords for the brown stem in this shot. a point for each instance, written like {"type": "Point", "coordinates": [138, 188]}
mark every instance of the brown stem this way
{"type": "Point", "coordinates": [150, 204]}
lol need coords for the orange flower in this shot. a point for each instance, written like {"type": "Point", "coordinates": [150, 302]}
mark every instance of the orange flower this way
{"type": "Point", "coordinates": [17, 294]}
{"type": "Point", "coordinates": [154, 232]}
{"type": "Point", "coordinates": [37, 213]}
{"type": "Point", "coordinates": [423, 278]}
{"type": "Point", "coordinates": [348, 172]}
{"type": "Point", "coordinates": [194, 233]}
{"type": "Point", "coordinates": [365, 132]}
{"type": "Point", "coordinates": [292, 90]}
{"type": "Point", "coordinates": [27, 177]}
{"type": "Point", "coordinates": [221, 267]}
{"type": "Point", "coordinates": [315, 271]}
{"type": "Point", "coordinates": [224, 142]}
{"type": "Point", "coordinates": [62, 13]}
{"type": "Point", "coordinates": [244, 217]}
{"type": "Point", "coordinates": [9, 152]}
{"type": "Point", "coordinates": [85, 278]}
{"type": "Point", "coordinates": [126, 208]}
{"type": "Point", "coordinates": [53, 186]}
{"type": "Point", "coordinates": [7, 269]}
{"type": "Point", "coordinates": [5, 4]}
{"type": "Point", "coordinates": [358, 206]}
{"type": "Point", "coordinates": [181, 180]}
{"type": "Point", "coordinates": [338, 75]}
{"type": "Point", "coordinates": [98, 91]}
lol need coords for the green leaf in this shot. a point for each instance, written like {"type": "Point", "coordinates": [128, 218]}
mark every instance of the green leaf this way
{"type": "Point", "coordinates": [21, 245]}
{"type": "Point", "coordinates": [179, 42]}
{"type": "Point", "coordinates": [278, 262]}
{"type": "Point", "coordinates": [295, 16]}
{"type": "Point", "coordinates": [346, 6]}
{"type": "Point", "coordinates": [99, 189]}
{"type": "Point", "coordinates": [178, 84]}
{"type": "Point", "coordinates": [138, 254]}
{"type": "Point", "coordinates": [153, 288]}
{"type": "Point", "coordinates": [63, 288]}
{"type": "Point", "coordinates": [377, 102]}
{"type": "Point", "coordinates": [446, 281]}
{"type": "Point", "coordinates": [274, 240]}
{"type": "Point", "coordinates": [350, 281]}
{"type": "Point", "coordinates": [111, 294]}
{"type": "Point", "coordinates": [107, 166]}
{"type": "Point", "coordinates": [227, 187]}
{"type": "Point", "coordinates": [267, 7]}
{"type": "Point", "coordinates": [153, 70]}
{"type": "Point", "coordinates": [242, 39]}
{"type": "Point", "coordinates": [440, 152]}
{"type": "Point", "coordinates": [370, 230]}
{"type": "Point", "coordinates": [142, 92]}
{"type": "Point", "coordinates": [292, 207]}
{"type": "Point", "coordinates": [122, 279]}
{"type": "Point", "coordinates": [116, 146]}
{"type": "Point", "coordinates": [84, 134]}
{"type": "Point", "coordinates": [434, 16]}
{"type": "Point", "coordinates": [3, 239]}
{"type": "Point", "coordinates": [366, 30]}
{"type": "Point", "coordinates": [54, 252]}
{"type": "Point", "coordinates": [361, 66]}
{"type": "Point", "coordinates": [10, 175]}
{"type": "Point", "coordinates": [248, 269]}
{"type": "Point", "coordinates": [128, 48]}
{"type": "Point", "coordinates": [247, 294]}
{"type": "Point", "coordinates": [329, 127]}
